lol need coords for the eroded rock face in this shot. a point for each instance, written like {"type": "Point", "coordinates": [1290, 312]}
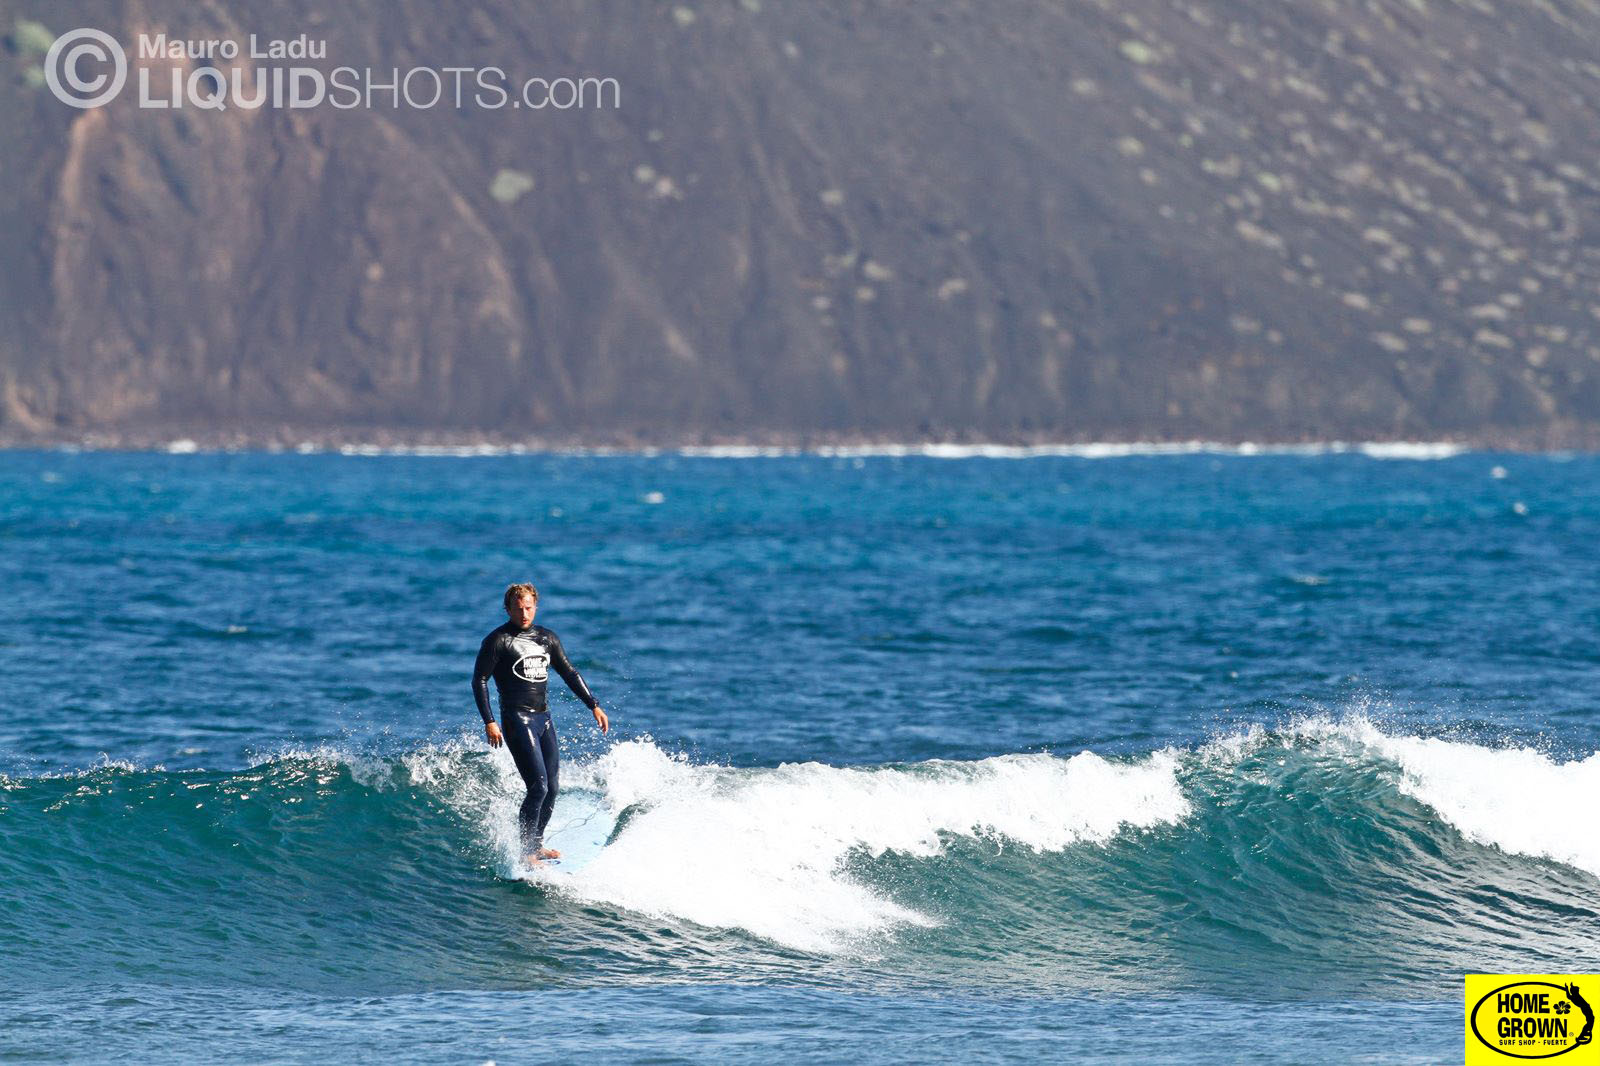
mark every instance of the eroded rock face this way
{"type": "Point", "coordinates": [1267, 219]}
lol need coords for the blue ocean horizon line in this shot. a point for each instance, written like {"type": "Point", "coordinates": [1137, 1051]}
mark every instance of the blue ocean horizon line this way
{"type": "Point", "coordinates": [1413, 450]}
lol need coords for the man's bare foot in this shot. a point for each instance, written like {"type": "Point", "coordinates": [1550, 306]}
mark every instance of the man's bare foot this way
{"type": "Point", "coordinates": [533, 859]}
{"type": "Point", "coordinates": [548, 853]}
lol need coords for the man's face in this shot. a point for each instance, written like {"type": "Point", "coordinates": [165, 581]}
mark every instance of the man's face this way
{"type": "Point", "coordinates": [521, 611]}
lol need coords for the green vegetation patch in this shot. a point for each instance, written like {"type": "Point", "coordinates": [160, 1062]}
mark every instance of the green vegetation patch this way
{"type": "Point", "coordinates": [509, 186]}
{"type": "Point", "coordinates": [31, 38]}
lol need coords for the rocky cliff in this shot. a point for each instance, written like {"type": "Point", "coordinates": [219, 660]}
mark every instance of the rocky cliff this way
{"type": "Point", "coordinates": [1009, 219]}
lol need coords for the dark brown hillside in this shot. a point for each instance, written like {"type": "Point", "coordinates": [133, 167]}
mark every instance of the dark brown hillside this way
{"type": "Point", "coordinates": [1254, 219]}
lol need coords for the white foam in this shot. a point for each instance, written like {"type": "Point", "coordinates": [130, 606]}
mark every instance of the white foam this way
{"type": "Point", "coordinates": [485, 792]}
{"type": "Point", "coordinates": [1225, 751]}
{"type": "Point", "coordinates": [767, 851]}
{"type": "Point", "coordinates": [1103, 450]}
{"type": "Point", "coordinates": [437, 451]}
{"type": "Point", "coordinates": [105, 768]}
{"type": "Point", "coordinates": [1416, 450]}
{"type": "Point", "coordinates": [1410, 450]}
{"type": "Point", "coordinates": [729, 451]}
{"type": "Point", "coordinates": [480, 785]}
{"type": "Point", "coordinates": [1516, 799]}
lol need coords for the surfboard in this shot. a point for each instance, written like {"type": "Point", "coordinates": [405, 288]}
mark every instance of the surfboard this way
{"type": "Point", "coordinates": [579, 828]}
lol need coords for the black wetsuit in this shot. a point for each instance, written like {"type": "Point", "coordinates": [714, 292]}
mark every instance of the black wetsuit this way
{"type": "Point", "coordinates": [519, 660]}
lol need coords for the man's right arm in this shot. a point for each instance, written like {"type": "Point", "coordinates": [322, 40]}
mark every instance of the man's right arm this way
{"type": "Point", "coordinates": [488, 658]}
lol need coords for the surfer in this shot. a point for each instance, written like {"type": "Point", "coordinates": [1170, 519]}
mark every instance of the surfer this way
{"type": "Point", "coordinates": [1588, 1016]}
{"type": "Point", "coordinates": [519, 655]}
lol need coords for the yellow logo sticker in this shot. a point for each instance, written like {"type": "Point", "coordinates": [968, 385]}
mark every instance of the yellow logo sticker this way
{"type": "Point", "coordinates": [1527, 1017]}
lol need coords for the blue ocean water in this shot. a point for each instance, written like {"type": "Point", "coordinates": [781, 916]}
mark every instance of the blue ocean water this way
{"type": "Point", "coordinates": [1155, 758]}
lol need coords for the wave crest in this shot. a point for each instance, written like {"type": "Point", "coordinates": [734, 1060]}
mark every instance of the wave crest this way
{"type": "Point", "coordinates": [767, 851]}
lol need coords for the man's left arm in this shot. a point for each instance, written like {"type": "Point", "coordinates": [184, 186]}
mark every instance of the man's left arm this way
{"type": "Point", "coordinates": [569, 674]}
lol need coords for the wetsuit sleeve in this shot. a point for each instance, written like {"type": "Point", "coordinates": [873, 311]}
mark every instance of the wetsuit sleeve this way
{"type": "Point", "coordinates": [488, 656]}
{"type": "Point", "coordinates": [558, 659]}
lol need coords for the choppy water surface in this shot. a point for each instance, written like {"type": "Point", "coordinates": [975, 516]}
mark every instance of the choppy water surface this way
{"type": "Point", "coordinates": [1192, 757]}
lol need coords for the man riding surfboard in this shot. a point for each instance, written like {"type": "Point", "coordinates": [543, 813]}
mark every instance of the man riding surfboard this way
{"type": "Point", "coordinates": [519, 655]}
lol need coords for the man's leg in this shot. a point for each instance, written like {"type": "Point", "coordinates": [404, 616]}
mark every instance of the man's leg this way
{"type": "Point", "coordinates": [530, 764]}
{"type": "Point", "coordinates": [550, 756]}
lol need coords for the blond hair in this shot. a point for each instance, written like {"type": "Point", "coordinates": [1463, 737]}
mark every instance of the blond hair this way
{"type": "Point", "coordinates": [519, 590]}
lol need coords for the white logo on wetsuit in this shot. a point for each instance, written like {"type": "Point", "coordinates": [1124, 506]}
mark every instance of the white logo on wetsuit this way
{"type": "Point", "coordinates": [534, 663]}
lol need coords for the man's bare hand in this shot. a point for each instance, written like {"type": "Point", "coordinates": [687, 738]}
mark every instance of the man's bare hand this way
{"type": "Point", "coordinates": [602, 721]}
{"type": "Point", "coordinates": [494, 734]}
